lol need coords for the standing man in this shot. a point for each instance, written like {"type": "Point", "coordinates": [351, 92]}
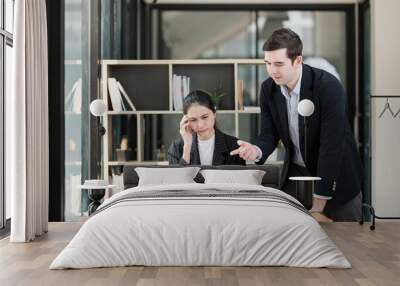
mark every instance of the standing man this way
{"type": "Point", "coordinates": [331, 149]}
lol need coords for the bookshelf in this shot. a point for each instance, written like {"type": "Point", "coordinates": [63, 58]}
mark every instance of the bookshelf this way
{"type": "Point", "coordinates": [149, 85]}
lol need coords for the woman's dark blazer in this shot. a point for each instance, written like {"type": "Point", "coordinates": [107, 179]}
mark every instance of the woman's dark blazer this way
{"type": "Point", "coordinates": [224, 144]}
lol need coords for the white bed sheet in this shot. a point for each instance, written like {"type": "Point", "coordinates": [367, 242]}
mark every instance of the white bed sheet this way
{"type": "Point", "coordinates": [200, 231]}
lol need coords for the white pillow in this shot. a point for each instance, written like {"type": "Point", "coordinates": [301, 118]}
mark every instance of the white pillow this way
{"type": "Point", "coordinates": [164, 176]}
{"type": "Point", "coordinates": [248, 177]}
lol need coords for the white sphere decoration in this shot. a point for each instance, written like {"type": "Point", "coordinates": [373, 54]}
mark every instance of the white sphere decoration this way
{"type": "Point", "coordinates": [97, 107]}
{"type": "Point", "coordinates": [305, 107]}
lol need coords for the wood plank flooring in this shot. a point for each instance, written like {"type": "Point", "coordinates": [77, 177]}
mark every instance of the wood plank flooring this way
{"type": "Point", "coordinates": [375, 257]}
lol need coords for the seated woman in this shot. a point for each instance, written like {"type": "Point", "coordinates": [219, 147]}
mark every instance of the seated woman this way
{"type": "Point", "coordinates": [201, 143]}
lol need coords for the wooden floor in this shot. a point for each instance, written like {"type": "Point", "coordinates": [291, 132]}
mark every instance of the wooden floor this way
{"type": "Point", "coordinates": [374, 255]}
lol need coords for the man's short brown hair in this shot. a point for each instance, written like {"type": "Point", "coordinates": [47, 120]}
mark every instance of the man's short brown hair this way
{"type": "Point", "coordinates": [285, 38]}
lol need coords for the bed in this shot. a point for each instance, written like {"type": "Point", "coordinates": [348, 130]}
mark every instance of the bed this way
{"type": "Point", "coordinates": [201, 224]}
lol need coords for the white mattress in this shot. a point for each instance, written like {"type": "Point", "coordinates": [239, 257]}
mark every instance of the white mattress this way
{"type": "Point", "coordinates": [200, 231]}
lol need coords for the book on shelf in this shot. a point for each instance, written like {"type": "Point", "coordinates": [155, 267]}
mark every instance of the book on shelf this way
{"type": "Point", "coordinates": [115, 96]}
{"type": "Point", "coordinates": [240, 93]}
{"type": "Point", "coordinates": [73, 100]}
{"type": "Point", "coordinates": [176, 93]}
{"type": "Point", "coordinates": [119, 98]}
{"type": "Point", "coordinates": [185, 86]}
{"type": "Point", "coordinates": [180, 88]}
{"type": "Point", "coordinates": [125, 97]}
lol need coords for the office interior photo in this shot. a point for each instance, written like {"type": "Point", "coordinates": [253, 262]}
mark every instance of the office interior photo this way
{"type": "Point", "coordinates": [199, 142]}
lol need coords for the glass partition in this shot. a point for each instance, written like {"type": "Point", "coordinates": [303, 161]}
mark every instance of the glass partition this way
{"type": "Point", "coordinates": [75, 200]}
{"type": "Point", "coordinates": [188, 35]}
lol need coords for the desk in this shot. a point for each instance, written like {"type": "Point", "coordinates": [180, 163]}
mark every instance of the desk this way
{"type": "Point", "coordinates": [95, 194]}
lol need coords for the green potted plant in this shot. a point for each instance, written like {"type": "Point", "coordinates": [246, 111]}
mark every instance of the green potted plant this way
{"type": "Point", "coordinates": [216, 95]}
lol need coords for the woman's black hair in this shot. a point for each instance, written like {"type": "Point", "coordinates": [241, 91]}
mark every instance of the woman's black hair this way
{"type": "Point", "coordinates": [198, 97]}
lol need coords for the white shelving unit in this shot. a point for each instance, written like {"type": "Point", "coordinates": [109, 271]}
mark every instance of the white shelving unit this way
{"type": "Point", "coordinates": [128, 72]}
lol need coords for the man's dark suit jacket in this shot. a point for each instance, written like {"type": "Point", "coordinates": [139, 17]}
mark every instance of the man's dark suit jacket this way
{"type": "Point", "coordinates": [331, 149]}
{"type": "Point", "coordinates": [224, 144]}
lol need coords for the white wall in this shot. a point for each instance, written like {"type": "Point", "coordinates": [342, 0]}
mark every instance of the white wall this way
{"type": "Point", "coordinates": [385, 80]}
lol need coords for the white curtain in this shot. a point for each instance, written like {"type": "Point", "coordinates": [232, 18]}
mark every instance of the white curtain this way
{"type": "Point", "coordinates": [27, 124]}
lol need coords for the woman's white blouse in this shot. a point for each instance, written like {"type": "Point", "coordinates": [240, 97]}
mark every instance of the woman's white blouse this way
{"type": "Point", "coordinates": [206, 150]}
